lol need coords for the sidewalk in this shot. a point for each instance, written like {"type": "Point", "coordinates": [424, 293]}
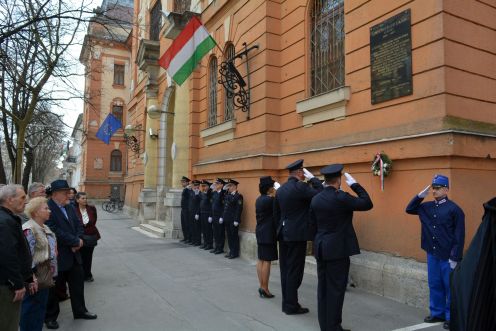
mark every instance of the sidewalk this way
{"type": "Point", "coordinates": [144, 283]}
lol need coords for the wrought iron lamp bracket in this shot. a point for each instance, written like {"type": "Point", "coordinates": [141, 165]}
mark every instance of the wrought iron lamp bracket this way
{"type": "Point", "coordinates": [234, 84]}
{"type": "Point", "coordinates": [131, 141]}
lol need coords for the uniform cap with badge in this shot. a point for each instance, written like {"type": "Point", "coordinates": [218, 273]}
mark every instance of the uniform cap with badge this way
{"type": "Point", "coordinates": [185, 179]}
{"type": "Point", "coordinates": [440, 181]}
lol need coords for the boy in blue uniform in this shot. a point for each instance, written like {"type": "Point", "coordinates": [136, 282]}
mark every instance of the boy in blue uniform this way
{"type": "Point", "coordinates": [443, 236]}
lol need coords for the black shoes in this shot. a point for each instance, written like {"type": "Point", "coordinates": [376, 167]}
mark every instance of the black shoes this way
{"type": "Point", "coordinates": [85, 316]}
{"type": "Point", "coordinates": [264, 294]}
{"type": "Point", "coordinates": [433, 319]}
{"type": "Point", "coordinates": [298, 311]}
{"type": "Point", "coordinates": [52, 325]}
{"type": "Point", "coordinates": [89, 279]}
{"type": "Point", "coordinates": [446, 325]}
{"type": "Point", "coordinates": [233, 256]}
{"type": "Point", "coordinates": [218, 252]}
{"type": "Point", "coordinates": [227, 255]}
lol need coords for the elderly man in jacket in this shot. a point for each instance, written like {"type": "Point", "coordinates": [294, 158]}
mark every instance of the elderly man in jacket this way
{"type": "Point", "coordinates": [15, 258]}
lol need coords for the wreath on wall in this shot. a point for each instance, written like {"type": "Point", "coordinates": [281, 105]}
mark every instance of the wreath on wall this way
{"type": "Point", "coordinates": [381, 166]}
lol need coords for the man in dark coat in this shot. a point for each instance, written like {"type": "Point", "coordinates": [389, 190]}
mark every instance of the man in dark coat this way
{"type": "Point", "coordinates": [331, 211]}
{"type": "Point", "coordinates": [184, 210]}
{"type": "Point", "coordinates": [217, 211]}
{"type": "Point", "coordinates": [291, 207]}
{"type": "Point", "coordinates": [194, 213]}
{"type": "Point", "coordinates": [443, 237]}
{"type": "Point", "coordinates": [68, 230]}
{"type": "Point", "coordinates": [15, 257]}
{"type": "Point", "coordinates": [206, 214]}
{"type": "Point", "coordinates": [233, 207]}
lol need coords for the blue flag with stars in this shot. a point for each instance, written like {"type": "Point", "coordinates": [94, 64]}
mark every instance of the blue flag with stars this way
{"type": "Point", "coordinates": [108, 128]}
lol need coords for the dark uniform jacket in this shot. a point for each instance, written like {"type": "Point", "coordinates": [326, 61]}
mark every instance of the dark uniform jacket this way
{"type": "Point", "coordinates": [266, 227]}
{"type": "Point", "coordinates": [443, 227]}
{"type": "Point", "coordinates": [217, 204]}
{"type": "Point", "coordinates": [68, 232]}
{"type": "Point", "coordinates": [193, 204]}
{"type": "Point", "coordinates": [15, 257]}
{"type": "Point", "coordinates": [332, 213]}
{"type": "Point", "coordinates": [184, 198]}
{"type": "Point", "coordinates": [291, 209]}
{"type": "Point", "coordinates": [233, 207]}
{"type": "Point", "coordinates": [206, 203]}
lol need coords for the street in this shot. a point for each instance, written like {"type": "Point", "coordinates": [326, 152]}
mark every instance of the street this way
{"type": "Point", "coordinates": [145, 283]}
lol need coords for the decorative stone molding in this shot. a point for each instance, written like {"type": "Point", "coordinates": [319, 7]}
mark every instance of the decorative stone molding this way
{"type": "Point", "coordinates": [324, 107]}
{"type": "Point", "coordinates": [219, 133]}
{"type": "Point", "coordinates": [176, 22]}
{"type": "Point", "coordinates": [147, 61]}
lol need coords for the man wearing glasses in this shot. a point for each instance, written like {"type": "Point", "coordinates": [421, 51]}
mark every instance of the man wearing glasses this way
{"type": "Point", "coordinates": [443, 236]}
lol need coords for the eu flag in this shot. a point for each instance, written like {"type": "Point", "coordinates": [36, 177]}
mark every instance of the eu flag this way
{"type": "Point", "coordinates": [108, 128]}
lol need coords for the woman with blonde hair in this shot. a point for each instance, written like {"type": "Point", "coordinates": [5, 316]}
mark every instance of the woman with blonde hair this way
{"type": "Point", "coordinates": [42, 244]}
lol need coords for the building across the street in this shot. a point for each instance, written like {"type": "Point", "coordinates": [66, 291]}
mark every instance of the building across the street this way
{"type": "Point", "coordinates": [106, 57]}
{"type": "Point", "coordinates": [411, 83]}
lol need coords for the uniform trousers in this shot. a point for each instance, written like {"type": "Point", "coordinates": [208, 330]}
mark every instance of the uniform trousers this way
{"type": "Point", "coordinates": [75, 281]}
{"type": "Point", "coordinates": [185, 225]}
{"type": "Point", "coordinates": [33, 311]}
{"type": "Point", "coordinates": [206, 230]}
{"type": "Point", "coordinates": [332, 281]}
{"type": "Point", "coordinates": [219, 233]}
{"type": "Point", "coordinates": [233, 239]}
{"type": "Point", "coordinates": [292, 265]}
{"type": "Point", "coordinates": [196, 230]}
{"type": "Point", "coordinates": [9, 311]}
{"type": "Point", "coordinates": [438, 277]}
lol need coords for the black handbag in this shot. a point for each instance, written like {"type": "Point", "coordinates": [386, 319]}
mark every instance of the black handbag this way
{"type": "Point", "coordinates": [90, 240]}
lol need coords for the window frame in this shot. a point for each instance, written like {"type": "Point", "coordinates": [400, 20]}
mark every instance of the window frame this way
{"type": "Point", "coordinates": [116, 161]}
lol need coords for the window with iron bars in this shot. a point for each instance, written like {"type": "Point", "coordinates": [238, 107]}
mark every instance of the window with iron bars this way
{"type": "Point", "coordinates": [180, 6]}
{"type": "Point", "coordinates": [230, 52]}
{"type": "Point", "coordinates": [327, 45]}
{"type": "Point", "coordinates": [212, 92]}
{"type": "Point", "coordinates": [156, 21]}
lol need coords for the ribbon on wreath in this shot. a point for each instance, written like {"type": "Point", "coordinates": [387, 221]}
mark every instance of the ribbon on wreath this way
{"type": "Point", "coordinates": [378, 159]}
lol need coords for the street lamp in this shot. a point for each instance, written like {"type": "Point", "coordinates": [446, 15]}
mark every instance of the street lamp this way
{"type": "Point", "coordinates": [154, 112]}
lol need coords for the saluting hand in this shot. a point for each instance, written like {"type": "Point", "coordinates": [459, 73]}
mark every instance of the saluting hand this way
{"type": "Point", "coordinates": [307, 174]}
{"type": "Point", "coordinates": [424, 192]}
{"type": "Point", "coordinates": [349, 179]}
{"type": "Point", "coordinates": [276, 185]}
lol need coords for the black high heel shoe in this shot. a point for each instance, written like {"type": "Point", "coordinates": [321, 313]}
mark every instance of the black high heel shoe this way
{"type": "Point", "coordinates": [264, 294]}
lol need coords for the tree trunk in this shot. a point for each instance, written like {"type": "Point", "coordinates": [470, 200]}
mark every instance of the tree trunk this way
{"type": "Point", "coordinates": [21, 135]}
{"type": "Point", "coordinates": [3, 177]}
{"type": "Point", "coordinates": [27, 169]}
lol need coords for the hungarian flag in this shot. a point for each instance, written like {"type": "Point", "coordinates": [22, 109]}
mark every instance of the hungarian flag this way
{"type": "Point", "coordinates": [187, 50]}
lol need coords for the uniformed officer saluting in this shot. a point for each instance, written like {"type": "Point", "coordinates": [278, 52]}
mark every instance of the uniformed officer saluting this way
{"type": "Point", "coordinates": [194, 213]}
{"type": "Point", "coordinates": [217, 210]}
{"type": "Point", "coordinates": [233, 206]}
{"type": "Point", "coordinates": [443, 236]}
{"type": "Point", "coordinates": [331, 211]}
{"type": "Point", "coordinates": [184, 210]}
{"type": "Point", "coordinates": [206, 214]}
{"type": "Point", "coordinates": [291, 214]}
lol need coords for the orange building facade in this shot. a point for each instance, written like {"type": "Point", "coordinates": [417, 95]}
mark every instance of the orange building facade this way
{"type": "Point", "coordinates": [106, 57]}
{"type": "Point", "coordinates": [310, 98]}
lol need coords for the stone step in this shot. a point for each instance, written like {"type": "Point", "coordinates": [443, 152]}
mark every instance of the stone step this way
{"type": "Point", "coordinates": [157, 224]}
{"type": "Point", "coordinates": [153, 229]}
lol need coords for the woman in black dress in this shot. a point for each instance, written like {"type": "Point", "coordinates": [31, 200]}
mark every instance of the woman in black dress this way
{"type": "Point", "coordinates": [266, 234]}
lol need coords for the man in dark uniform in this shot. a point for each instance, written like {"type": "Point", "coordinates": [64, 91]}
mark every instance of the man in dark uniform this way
{"type": "Point", "coordinates": [184, 210]}
{"type": "Point", "coordinates": [206, 214]}
{"type": "Point", "coordinates": [331, 211]}
{"type": "Point", "coordinates": [217, 221]}
{"type": "Point", "coordinates": [233, 207]}
{"type": "Point", "coordinates": [291, 206]}
{"type": "Point", "coordinates": [194, 213]}
{"type": "Point", "coordinates": [443, 237]}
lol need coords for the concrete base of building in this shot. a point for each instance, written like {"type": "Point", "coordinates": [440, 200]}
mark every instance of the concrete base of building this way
{"type": "Point", "coordinates": [147, 205]}
{"type": "Point", "coordinates": [172, 214]}
{"type": "Point", "coordinates": [397, 278]}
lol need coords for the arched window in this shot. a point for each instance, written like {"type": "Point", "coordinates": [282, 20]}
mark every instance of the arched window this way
{"type": "Point", "coordinates": [327, 45]}
{"type": "Point", "coordinates": [229, 101]}
{"type": "Point", "coordinates": [212, 92]}
{"type": "Point", "coordinates": [116, 160]}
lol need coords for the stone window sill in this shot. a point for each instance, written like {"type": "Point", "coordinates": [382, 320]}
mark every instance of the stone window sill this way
{"type": "Point", "coordinates": [324, 107]}
{"type": "Point", "coordinates": [218, 133]}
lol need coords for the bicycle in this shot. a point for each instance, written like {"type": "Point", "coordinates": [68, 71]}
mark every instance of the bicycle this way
{"type": "Point", "coordinates": [112, 204]}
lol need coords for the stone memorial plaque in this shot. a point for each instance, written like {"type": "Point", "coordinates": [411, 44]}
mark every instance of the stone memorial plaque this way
{"type": "Point", "coordinates": [391, 58]}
